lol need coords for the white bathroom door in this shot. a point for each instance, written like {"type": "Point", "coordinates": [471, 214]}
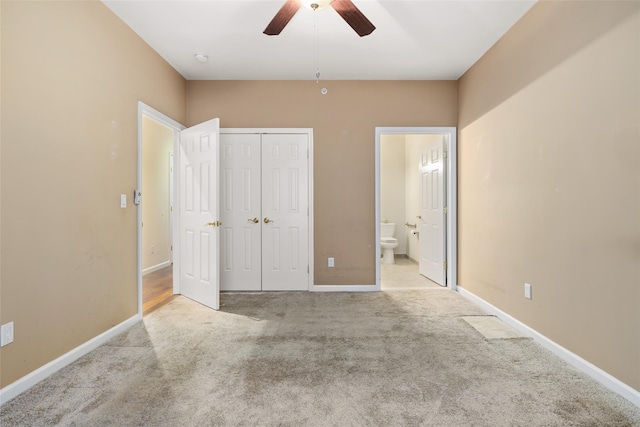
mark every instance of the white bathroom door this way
{"type": "Point", "coordinates": [199, 213]}
{"type": "Point", "coordinates": [432, 223]}
{"type": "Point", "coordinates": [285, 212]}
{"type": "Point", "coordinates": [241, 213]}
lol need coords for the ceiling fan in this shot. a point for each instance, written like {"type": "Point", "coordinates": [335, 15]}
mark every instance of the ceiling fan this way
{"type": "Point", "coordinates": [345, 8]}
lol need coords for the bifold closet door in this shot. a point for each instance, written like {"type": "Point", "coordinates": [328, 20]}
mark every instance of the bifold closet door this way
{"type": "Point", "coordinates": [240, 211]}
{"type": "Point", "coordinates": [264, 212]}
{"type": "Point", "coordinates": [285, 202]}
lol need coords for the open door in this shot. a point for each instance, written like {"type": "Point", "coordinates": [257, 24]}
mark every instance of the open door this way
{"type": "Point", "coordinates": [199, 219]}
{"type": "Point", "coordinates": [431, 223]}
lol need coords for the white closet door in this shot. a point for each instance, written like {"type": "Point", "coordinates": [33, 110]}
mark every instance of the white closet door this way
{"type": "Point", "coordinates": [285, 222]}
{"type": "Point", "coordinates": [241, 263]}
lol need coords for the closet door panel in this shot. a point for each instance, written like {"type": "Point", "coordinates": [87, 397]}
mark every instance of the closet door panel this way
{"type": "Point", "coordinates": [285, 240]}
{"type": "Point", "coordinates": [240, 211]}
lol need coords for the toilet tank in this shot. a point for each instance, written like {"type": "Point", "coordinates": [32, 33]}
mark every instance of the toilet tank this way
{"type": "Point", "coordinates": [387, 229]}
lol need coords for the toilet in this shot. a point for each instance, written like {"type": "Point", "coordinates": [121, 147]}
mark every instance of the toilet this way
{"type": "Point", "coordinates": [387, 242]}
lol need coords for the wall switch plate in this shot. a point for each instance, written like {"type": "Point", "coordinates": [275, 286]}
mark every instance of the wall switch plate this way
{"type": "Point", "coordinates": [6, 334]}
{"type": "Point", "coordinates": [527, 291]}
{"type": "Point", "coordinates": [331, 263]}
{"type": "Point", "coordinates": [123, 200]}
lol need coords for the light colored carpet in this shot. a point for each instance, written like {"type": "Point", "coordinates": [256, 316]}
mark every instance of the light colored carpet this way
{"type": "Point", "coordinates": [491, 327]}
{"type": "Point", "coordinates": [403, 358]}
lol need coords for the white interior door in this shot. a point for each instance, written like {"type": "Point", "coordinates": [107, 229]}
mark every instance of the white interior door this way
{"type": "Point", "coordinates": [199, 213]}
{"type": "Point", "coordinates": [241, 213]}
{"type": "Point", "coordinates": [431, 223]}
{"type": "Point", "coordinates": [285, 211]}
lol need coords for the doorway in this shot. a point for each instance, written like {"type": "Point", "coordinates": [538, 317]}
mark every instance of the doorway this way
{"type": "Point", "coordinates": [411, 164]}
{"type": "Point", "coordinates": [156, 207]}
{"type": "Point", "coordinates": [157, 138]}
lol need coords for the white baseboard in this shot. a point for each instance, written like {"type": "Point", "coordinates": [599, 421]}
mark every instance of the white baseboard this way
{"type": "Point", "coordinates": [156, 267]}
{"type": "Point", "coordinates": [609, 381]}
{"type": "Point", "coordinates": [31, 379]}
{"type": "Point", "coordinates": [343, 288]}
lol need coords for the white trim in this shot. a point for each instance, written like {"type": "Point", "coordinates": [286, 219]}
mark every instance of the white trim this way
{"type": "Point", "coordinates": [309, 133]}
{"type": "Point", "coordinates": [266, 130]}
{"type": "Point", "coordinates": [571, 358]}
{"type": "Point", "coordinates": [311, 210]}
{"type": "Point", "coordinates": [344, 288]}
{"type": "Point", "coordinates": [146, 110]}
{"type": "Point", "coordinates": [452, 195]}
{"type": "Point", "coordinates": [156, 267]}
{"type": "Point", "coordinates": [33, 378]}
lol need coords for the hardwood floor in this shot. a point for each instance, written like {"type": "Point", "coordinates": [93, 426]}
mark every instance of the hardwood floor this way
{"type": "Point", "coordinates": [157, 289]}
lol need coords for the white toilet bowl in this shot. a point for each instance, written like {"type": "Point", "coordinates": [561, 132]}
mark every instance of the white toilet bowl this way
{"type": "Point", "coordinates": [388, 244]}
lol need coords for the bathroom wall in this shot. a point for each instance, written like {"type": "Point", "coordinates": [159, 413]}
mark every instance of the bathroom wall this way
{"type": "Point", "coordinates": [157, 144]}
{"type": "Point", "coordinates": [392, 186]}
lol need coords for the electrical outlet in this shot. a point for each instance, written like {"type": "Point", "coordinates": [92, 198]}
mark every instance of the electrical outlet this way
{"type": "Point", "coordinates": [331, 263]}
{"type": "Point", "coordinates": [153, 249]}
{"type": "Point", "coordinates": [6, 334]}
{"type": "Point", "coordinates": [527, 291]}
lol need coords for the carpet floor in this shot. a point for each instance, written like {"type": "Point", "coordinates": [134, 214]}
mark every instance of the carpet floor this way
{"type": "Point", "coordinates": [402, 358]}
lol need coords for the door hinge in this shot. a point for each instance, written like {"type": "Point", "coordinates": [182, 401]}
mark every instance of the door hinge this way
{"type": "Point", "coordinates": [445, 154]}
{"type": "Point", "coordinates": [307, 269]}
{"type": "Point", "coordinates": [446, 210]}
{"type": "Point", "coordinates": [444, 264]}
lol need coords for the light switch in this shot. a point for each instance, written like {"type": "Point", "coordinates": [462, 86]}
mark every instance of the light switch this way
{"type": "Point", "coordinates": [123, 200]}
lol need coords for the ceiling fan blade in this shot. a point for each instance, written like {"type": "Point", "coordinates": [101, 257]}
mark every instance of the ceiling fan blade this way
{"type": "Point", "coordinates": [282, 18]}
{"type": "Point", "coordinates": [352, 15]}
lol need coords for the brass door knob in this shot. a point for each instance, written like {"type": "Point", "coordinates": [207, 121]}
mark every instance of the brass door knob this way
{"type": "Point", "coordinates": [212, 223]}
{"type": "Point", "coordinates": [254, 220]}
{"type": "Point", "coordinates": [267, 220]}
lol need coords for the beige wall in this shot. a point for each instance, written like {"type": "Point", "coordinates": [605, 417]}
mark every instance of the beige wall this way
{"type": "Point", "coordinates": [157, 144]}
{"type": "Point", "coordinates": [344, 124]}
{"type": "Point", "coordinates": [392, 186]}
{"type": "Point", "coordinates": [72, 74]}
{"type": "Point", "coordinates": [549, 178]}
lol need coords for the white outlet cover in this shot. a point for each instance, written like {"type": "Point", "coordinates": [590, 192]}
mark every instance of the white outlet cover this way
{"type": "Point", "coordinates": [527, 291]}
{"type": "Point", "coordinates": [6, 334]}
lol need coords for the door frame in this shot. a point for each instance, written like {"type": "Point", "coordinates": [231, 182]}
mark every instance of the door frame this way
{"type": "Point", "coordinates": [309, 133]}
{"type": "Point", "coordinates": [148, 111]}
{"type": "Point", "coordinates": [451, 185]}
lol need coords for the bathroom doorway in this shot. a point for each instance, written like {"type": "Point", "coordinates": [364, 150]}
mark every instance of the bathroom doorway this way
{"type": "Point", "coordinates": [406, 175]}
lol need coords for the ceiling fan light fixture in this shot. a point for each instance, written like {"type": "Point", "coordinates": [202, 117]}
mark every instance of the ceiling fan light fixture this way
{"type": "Point", "coordinates": [316, 4]}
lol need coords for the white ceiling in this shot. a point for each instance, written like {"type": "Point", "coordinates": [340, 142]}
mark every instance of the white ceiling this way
{"type": "Point", "coordinates": [413, 40]}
